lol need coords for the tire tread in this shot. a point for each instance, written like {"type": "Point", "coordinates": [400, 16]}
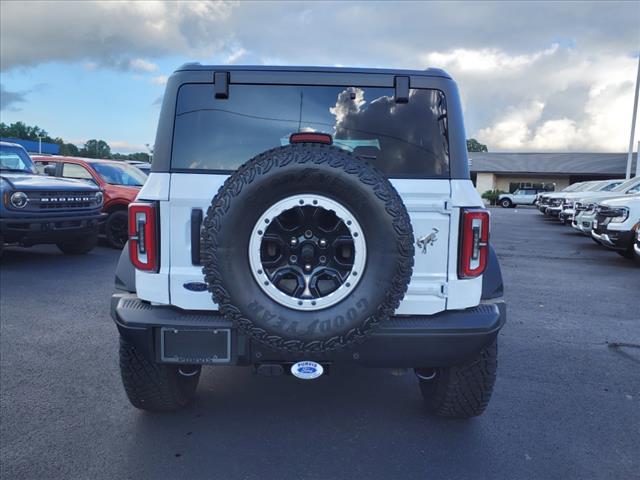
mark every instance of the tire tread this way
{"type": "Point", "coordinates": [462, 391]}
{"type": "Point", "coordinates": [151, 386]}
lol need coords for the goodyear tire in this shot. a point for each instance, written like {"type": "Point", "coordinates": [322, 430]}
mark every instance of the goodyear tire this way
{"type": "Point", "coordinates": [307, 248]}
{"type": "Point", "coordinates": [155, 387]}
{"type": "Point", "coordinates": [461, 391]}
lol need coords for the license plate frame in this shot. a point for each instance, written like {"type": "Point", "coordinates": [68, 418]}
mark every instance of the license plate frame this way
{"type": "Point", "coordinates": [195, 345]}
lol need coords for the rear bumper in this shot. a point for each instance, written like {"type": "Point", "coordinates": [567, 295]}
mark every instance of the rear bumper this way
{"type": "Point", "coordinates": [48, 229]}
{"type": "Point", "coordinates": [447, 338]}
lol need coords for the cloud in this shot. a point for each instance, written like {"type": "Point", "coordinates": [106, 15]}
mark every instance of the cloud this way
{"type": "Point", "coordinates": [9, 99]}
{"type": "Point", "coordinates": [235, 55]}
{"type": "Point", "coordinates": [547, 76]}
{"type": "Point", "coordinates": [567, 102]}
{"type": "Point", "coordinates": [121, 35]}
{"type": "Point", "coordinates": [122, 146]}
{"type": "Point", "coordinates": [159, 80]}
{"type": "Point", "coordinates": [142, 65]}
{"type": "Point", "coordinates": [485, 61]}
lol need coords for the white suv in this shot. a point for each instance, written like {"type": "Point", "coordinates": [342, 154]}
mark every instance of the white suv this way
{"type": "Point", "coordinates": [300, 218]}
{"type": "Point", "coordinates": [522, 196]}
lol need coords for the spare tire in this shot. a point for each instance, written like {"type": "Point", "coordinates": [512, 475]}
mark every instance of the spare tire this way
{"type": "Point", "coordinates": [307, 248]}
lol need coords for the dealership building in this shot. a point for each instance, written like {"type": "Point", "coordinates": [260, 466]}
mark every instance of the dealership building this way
{"type": "Point", "coordinates": [510, 171]}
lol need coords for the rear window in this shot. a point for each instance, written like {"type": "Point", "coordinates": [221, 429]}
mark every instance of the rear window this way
{"type": "Point", "coordinates": [402, 140]}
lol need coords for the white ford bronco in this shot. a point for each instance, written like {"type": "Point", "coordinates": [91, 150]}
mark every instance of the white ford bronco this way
{"type": "Point", "coordinates": [299, 218]}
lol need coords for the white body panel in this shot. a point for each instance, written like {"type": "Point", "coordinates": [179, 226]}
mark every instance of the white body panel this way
{"type": "Point", "coordinates": [427, 202]}
{"type": "Point", "coordinates": [154, 287]}
{"type": "Point", "coordinates": [433, 206]}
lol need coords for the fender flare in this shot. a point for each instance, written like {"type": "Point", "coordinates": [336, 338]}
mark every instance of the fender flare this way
{"type": "Point", "coordinates": [492, 286]}
{"type": "Point", "coordinates": [125, 272]}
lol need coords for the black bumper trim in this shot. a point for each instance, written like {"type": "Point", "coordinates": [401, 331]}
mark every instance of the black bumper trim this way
{"type": "Point", "coordinates": [38, 219]}
{"type": "Point", "coordinates": [447, 338]}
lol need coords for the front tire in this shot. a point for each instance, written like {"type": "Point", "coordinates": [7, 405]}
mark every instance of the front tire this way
{"type": "Point", "coordinates": [116, 229]}
{"type": "Point", "coordinates": [78, 246]}
{"type": "Point", "coordinates": [155, 387]}
{"type": "Point", "coordinates": [506, 203]}
{"type": "Point", "coordinates": [461, 391]}
{"type": "Point", "coordinates": [628, 253]}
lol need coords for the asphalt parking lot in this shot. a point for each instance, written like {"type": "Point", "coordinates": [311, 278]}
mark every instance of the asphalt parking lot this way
{"type": "Point", "coordinates": [566, 405]}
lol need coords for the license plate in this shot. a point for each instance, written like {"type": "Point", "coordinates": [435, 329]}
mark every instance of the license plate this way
{"type": "Point", "coordinates": [595, 224]}
{"type": "Point", "coordinates": [196, 346]}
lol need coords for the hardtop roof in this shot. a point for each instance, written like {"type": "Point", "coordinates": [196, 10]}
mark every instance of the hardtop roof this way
{"type": "Point", "coordinates": [429, 72]}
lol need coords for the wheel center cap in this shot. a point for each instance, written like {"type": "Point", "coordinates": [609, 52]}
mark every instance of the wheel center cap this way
{"type": "Point", "coordinates": [307, 253]}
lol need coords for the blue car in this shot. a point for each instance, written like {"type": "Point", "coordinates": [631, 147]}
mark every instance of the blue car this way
{"type": "Point", "coordinates": [37, 209]}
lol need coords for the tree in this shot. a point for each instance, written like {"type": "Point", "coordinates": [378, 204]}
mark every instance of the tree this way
{"type": "Point", "coordinates": [69, 149]}
{"type": "Point", "coordinates": [95, 149]}
{"type": "Point", "coordinates": [23, 131]}
{"type": "Point", "coordinates": [475, 146]}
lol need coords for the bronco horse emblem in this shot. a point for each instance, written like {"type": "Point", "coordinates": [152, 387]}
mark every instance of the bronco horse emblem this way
{"type": "Point", "coordinates": [427, 240]}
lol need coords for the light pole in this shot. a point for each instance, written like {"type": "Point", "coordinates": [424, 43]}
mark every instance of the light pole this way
{"type": "Point", "coordinates": [39, 144]}
{"type": "Point", "coordinates": [633, 126]}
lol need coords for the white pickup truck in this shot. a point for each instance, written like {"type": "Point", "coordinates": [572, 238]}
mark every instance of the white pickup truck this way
{"type": "Point", "coordinates": [584, 207]}
{"type": "Point", "coordinates": [616, 224]}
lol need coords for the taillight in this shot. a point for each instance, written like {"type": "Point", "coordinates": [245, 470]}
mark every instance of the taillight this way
{"type": "Point", "coordinates": [143, 238]}
{"type": "Point", "coordinates": [474, 242]}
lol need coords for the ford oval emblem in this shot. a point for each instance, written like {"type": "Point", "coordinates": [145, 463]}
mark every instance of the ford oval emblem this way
{"type": "Point", "coordinates": [195, 286]}
{"type": "Point", "coordinates": [307, 370]}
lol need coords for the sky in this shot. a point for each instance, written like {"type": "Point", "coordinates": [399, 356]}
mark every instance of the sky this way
{"type": "Point", "coordinates": [536, 76]}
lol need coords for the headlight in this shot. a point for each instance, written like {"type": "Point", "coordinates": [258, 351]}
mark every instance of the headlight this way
{"type": "Point", "coordinates": [19, 199]}
{"type": "Point", "coordinates": [621, 215]}
{"type": "Point", "coordinates": [99, 198]}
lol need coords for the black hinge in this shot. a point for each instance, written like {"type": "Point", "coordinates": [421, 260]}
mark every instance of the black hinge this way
{"type": "Point", "coordinates": [221, 87]}
{"type": "Point", "coordinates": [196, 224]}
{"type": "Point", "coordinates": [402, 89]}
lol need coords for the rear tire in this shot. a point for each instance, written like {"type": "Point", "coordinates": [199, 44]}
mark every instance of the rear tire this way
{"type": "Point", "coordinates": [79, 246]}
{"type": "Point", "coordinates": [116, 229]}
{"type": "Point", "coordinates": [506, 203]}
{"type": "Point", "coordinates": [461, 391]}
{"type": "Point", "coordinates": [155, 387]}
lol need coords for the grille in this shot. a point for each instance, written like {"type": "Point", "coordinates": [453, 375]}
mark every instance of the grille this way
{"type": "Point", "coordinates": [583, 207]}
{"type": "Point", "coordinates": [61, 200]}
